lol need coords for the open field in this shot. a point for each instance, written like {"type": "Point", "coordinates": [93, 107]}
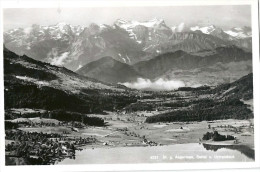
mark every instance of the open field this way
{"type": "Point", "coordinates": [121, 132]}
{"type": "Point", "coordinates": [185, 132]}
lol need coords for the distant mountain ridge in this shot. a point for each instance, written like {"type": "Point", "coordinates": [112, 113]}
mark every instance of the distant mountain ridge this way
{"type": "Point", "coordinates": [109, 70]}
{"type": "Point", "coordinates": [187, 61]}
{"type": "Point", "coordinates": [126, 41]}
{"type": "Point", "coordinates": [211, 67]}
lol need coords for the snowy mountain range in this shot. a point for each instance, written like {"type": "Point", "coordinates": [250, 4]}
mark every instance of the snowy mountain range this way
{"type": "Point", "coordinates": [125, 41]}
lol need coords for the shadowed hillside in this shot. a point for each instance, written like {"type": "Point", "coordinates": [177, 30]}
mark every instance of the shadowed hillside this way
{"type": "Point", "coordinates": [109, 70]}
{"type": "Point", "coordinates": [222, 102]}
{"type": "Point", "coordinates": [33, 84]}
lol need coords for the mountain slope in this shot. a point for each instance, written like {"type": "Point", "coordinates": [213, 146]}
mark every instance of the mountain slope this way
{"type": "Point", "coordinates": [109, 70]}
{"type": "Point", "coordinates": [237, 32]}
{"type": "Point", "coordinates": [112, 41]}
{"type": "Point", "coordinates": [210, 75]}
{"type": "Point", "coordinates": [34, 84]}
{"type": "Point", "coordinates": [226, 101]}
{"type": "Point", "coordinates": [241, 37]}
{"type": "Point", "coordinates": [159, 65]}
{"type": "Point", "coordinates": [192, 42]}
{"type": "Point", "coordinates": [43, 43]}
{"type": "Point", "coordinates": [212, 67]}
{"type": "Point", "coordinates": [240, 89]}
{"type": "Point", "coordinates": [188, 61]}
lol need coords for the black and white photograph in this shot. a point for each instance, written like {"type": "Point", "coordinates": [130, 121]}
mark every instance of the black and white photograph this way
{"type": "Point", "coordinates": [125, 84]}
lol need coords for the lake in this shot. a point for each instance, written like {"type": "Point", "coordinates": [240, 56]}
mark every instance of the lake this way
{"type": "Point", "coordinates": [192, 152]}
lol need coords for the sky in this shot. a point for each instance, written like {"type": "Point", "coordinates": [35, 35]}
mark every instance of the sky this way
{"type": "Point", "coordinates": [227, 16]}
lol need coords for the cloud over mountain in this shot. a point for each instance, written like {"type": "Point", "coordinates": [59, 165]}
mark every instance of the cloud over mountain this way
{"type": "Point", "coordinates": [159, 84]}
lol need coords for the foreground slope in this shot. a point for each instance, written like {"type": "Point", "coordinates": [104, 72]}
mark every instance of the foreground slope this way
{"type": "Point", "coordinates": [33, 84]}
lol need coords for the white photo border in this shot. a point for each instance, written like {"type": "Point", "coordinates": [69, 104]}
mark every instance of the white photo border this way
{"type": "Point", "coordinates": [138, 167]}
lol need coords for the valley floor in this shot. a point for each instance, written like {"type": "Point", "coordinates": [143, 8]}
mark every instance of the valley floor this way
{"type": "Point", "coordinates": [122, 132]}
{"type": "Point", "coordinates": [129, 130]}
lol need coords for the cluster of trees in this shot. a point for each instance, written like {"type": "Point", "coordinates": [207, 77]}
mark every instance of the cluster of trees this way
{"type": "Point", "coordinates": [108, 99]}
{"type": "Point", "coordinates": [177, 104]}
{"type": "Point", "coordinates": [20, 70]}
{"type": "Point", "coordinates": [30, 96]}
{"type": "Point", "coordinates": [67, 116]}
{"type": "Point", "coordinates": [208, 110]}
{"type": "Point", "coordinates": [89, 101]}
{"type": "Point", "coordinates": [73, 116]}
{"type": "Point", "coordinates": [193, 89]}
{"type": "Point", "coordinates": [10, 125]}
{"type": "Point", "coordinates": [215, 136]}
{"type": "Point", "coordinates": [140, 106]}
{"type": "Point", "coordinates": [183, 103]}
{"type": "Point", "coordinates": [150, 106]}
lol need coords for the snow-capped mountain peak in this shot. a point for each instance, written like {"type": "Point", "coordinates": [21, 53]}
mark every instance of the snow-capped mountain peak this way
{"type": "Point", "coordinates": [131, 24]}
{"type": "Point", "coordinates": [62, 24]}
{"type": "Point", "coordinates": [179, 28]}
{"type": "Point", "coordinates": [103, 26]}
{"type": "Point", "coordinates": [155, 21]}
{"type": "Point", "coordinates": [54, 31]}
{"type": "Point", "coordinates": [59, 25]}
{"type": "Point", "coordinates": [120, 22]}
{"type": "Point", "coordinates": [205, 29]}
{"type": "Point", "coordinates": [239, 33]}
{"type": "Point", "coordinates": [237, 29]}
{"type": "Point", "coordinates": [142, 31]}
{"type": "Point", "coordinates": [126, 41]}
